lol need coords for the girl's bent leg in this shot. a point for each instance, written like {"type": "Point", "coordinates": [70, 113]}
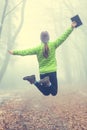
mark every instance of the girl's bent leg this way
{"type": "Point", "coordinates": [44, 90]}
{"type": "Point", "coordinates": [54, 83]}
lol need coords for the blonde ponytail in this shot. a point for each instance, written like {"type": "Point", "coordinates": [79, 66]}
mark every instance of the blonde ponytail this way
{"type": "Point", "coordinates": [46, 50]}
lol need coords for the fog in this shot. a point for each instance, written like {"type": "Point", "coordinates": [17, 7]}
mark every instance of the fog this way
{"type": "Point", "coordinates": [20, 32]}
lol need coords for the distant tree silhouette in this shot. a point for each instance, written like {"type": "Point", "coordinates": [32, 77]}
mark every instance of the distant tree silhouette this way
{"type": "Point", "coordinates": [8, 30]}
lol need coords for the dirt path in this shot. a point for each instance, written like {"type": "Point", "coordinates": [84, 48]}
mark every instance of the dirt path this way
{"type": "Point", "coordinates": [66, 111]}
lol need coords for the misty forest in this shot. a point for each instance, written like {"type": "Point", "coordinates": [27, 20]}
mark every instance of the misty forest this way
{"type": "Point", "coordinates": [20, 25]}
{"type": "Point", "coordinates": [21, 22]}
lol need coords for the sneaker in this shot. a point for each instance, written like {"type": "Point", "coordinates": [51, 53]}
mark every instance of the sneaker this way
{"type": "Point", "coordinates": [45, 81]}
{"type": "Point", "coordinates": [31, 79]}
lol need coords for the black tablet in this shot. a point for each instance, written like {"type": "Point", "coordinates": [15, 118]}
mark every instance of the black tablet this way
{"type": "Point", "coordinates": [77, 19]}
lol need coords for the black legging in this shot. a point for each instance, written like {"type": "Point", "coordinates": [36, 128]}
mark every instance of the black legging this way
{"type": "Point", "coordinates": [50, 89]}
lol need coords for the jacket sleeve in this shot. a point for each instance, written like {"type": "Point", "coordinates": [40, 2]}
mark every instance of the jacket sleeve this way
{"type": "Point", "coordinates": [30, 51]}
{"type": "Point", "coordinates": [63, 37]}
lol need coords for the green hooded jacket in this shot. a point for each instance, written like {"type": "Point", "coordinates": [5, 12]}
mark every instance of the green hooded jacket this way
{"type": "Point", "coordinates": [46, 65]}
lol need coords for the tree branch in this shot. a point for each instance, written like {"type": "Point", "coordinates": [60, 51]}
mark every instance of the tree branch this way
{"type": "Point", "coordinates": [7, 57]}
{"type": "Point", "coordinates": [3, 16]}
{"type": "Point", "coordinates": [13, 8]}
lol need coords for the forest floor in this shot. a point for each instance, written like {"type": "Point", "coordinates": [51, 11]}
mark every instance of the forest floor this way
{"type": "Point", "coordinates": [66, 111]}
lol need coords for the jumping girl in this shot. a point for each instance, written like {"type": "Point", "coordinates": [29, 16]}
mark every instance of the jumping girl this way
{"type": "Point", "coordinates": [45, 53]}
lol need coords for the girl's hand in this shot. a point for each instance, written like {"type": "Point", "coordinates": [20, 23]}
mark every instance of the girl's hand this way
{"type": "Point", "coordinates": [10, 52]}
{"type": "Point", "coordinates": [74, 24]}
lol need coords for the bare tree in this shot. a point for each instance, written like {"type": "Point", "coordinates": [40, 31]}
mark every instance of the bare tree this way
{"type": "Point", "coordinates": [13, 31]}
